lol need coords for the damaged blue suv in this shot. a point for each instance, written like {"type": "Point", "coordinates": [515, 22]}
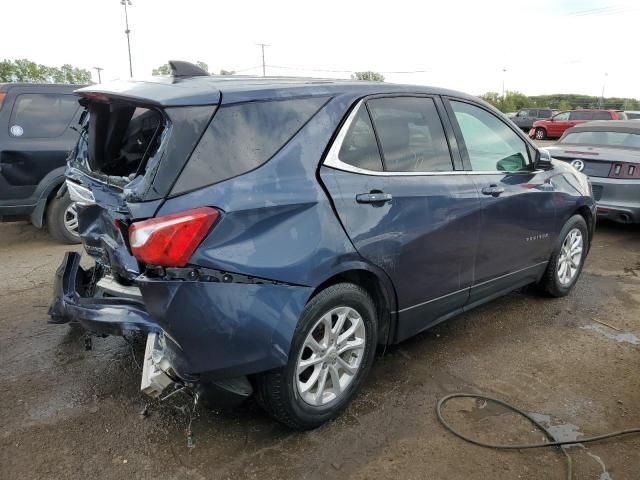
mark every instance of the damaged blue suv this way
{"type": "Point", "coordinates": [267, 234]}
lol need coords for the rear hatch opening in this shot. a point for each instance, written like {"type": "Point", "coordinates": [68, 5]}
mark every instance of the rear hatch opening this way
{"type": "Point", "coordinates": [127, 158]}
{"type": "Point", "coordinates": [119, 141]}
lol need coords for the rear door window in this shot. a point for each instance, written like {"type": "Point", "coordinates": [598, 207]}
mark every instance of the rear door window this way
{"type": "Point", "coordinates": [242, 137]}
{"type": "Point", "coordinates": [42, 115]}
{"type": "Point", "coordinates": [359, 147]}
{"type": "Point", "coordinates": [544, 113]}
{"type": "Point", "coordinates": [411, 134]}
{"type": "Point", "coordinates": [491, 145]}
{"type": "Point", "coordinates": [578, 115]}
{"type": "Point", "coordinates": [601, 115]}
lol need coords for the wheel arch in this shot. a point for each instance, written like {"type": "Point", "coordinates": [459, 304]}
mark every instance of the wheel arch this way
{"type": "Point", "coordinates": [379, 287]}
{"type": "Point", "coordinates": [585, 212]}
{"type": "Point", "coordinates": [47, 189]}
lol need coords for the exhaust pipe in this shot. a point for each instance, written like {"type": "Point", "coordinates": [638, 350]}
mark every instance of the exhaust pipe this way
{"type": "Point", "coordinates": [624, 218]}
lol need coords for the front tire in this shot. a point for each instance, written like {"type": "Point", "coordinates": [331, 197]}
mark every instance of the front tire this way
{"type": "Point", "coordinates": [540, 134]}
{"type": "Point", "coordinates": [62, 220]}
{"type": "Point", "coordinates": [331, 354]}
{"type": "Point", "coordinates": [567, 259]}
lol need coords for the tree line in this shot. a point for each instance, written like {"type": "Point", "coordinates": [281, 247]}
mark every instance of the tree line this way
{"type": "Point", "coordinates": [24, 70]}
{"type": "Point", "coordinates": [514, 101]}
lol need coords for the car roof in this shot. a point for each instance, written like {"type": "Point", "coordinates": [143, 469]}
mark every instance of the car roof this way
{"type": "Point", "coordinates": [170, 91]}
{"type": "Point", "coordinates": [626, 126]}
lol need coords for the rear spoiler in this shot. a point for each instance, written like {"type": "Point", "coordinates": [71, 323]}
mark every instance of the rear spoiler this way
{"type": "Point", "coordinates": [188, 85]}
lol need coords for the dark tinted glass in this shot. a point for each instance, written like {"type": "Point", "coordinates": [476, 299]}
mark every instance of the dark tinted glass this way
{"type": "Point", "coordinates": [242, 137]}
{"type": "Point", "coordinates": [544, 113]}
{"type": "Point", "coordinates": [42, 115]}
{"type": "Point", "coordinates": [410, 134]}
{"type": "Point", "coordinates": [601, 115]}
{"type": "Point", "coordinates": [579, 115]}
{"type": "Point", "coordinates": [490, 144]}
{"type": "Point", "coordinates": [359, 147]}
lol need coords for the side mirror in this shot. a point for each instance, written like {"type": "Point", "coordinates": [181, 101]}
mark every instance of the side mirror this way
{"type": "Point", "coordinates": [543, 160]}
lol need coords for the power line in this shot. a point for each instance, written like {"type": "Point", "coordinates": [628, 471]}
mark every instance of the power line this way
{"type": "Point", "coordinates": [597, 12]}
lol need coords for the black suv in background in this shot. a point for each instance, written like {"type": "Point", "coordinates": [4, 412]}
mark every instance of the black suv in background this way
{"type": "Point", "coordinates": [525, 117]}
{"type": "Point", "coordinates": [37, 131]}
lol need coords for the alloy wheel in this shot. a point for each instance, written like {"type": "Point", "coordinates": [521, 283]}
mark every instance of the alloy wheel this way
{"type": "Point", "coordinates": [71, 219]}
{"type": "Point", "coordinates": [331, 356]}
{"type": "Point", "coordinates": [570, 257]}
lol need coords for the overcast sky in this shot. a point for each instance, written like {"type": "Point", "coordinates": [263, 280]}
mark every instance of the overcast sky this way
{"type": "Point", "coordinates": [546, 46]}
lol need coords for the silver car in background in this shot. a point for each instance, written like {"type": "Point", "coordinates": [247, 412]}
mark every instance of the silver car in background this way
{"type": "Point", "coordinates": [608, 152]}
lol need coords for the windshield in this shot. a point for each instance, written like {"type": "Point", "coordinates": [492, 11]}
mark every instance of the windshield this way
{"type": "Point", "coordinates": [610, 139]}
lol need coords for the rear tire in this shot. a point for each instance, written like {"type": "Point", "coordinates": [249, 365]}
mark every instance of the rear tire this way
{"type": "Point", "coordinates": [565, 266]}
{"type": "Point", "coordinates": [295, 394]}
{"type": "Point", "coordinates": [540, 134]}
{"type": "Point", "coordinates": [61, 218]}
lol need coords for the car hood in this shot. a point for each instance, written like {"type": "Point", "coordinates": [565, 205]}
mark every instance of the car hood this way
{"type": "Point", "coordinates": [591, 152]}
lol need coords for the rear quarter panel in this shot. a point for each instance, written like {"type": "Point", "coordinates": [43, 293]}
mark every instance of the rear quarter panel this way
{"type": "Point", "coordinates": [278, 223]}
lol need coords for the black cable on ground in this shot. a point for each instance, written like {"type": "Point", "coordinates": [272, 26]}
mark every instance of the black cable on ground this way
{"type": "Point", "coordinates": [552, 443]}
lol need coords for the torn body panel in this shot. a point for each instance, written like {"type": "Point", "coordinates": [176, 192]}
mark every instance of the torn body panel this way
{"type": "Point", "coordinates": [234, 329]}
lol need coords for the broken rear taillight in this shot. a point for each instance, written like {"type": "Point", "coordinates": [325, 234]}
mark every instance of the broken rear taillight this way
{"type": "Point", "coordinates": [170, 240]}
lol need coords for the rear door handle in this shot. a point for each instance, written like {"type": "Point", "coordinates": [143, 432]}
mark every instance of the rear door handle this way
{"type": "Point", "coordinates": [373, 197]}
{"type": "Point", "coordinates": [493, 190]}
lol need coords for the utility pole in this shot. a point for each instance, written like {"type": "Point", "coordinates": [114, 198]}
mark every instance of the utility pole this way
{"type": "Point", "coordinates": [504, 71]}
{"type": "Point", "coordinates": [98, 69]}
{"type": "Point", "coordinates": [127, 32]}
{"type": "Point", "coordinates": [262, 45]}
{"type": "Point", "coordinates": [601, 103]}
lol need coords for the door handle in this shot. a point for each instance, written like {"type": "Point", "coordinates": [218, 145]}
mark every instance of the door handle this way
{"type": "Point", "coordinates": [493, 190]}
{"type": "Point", "coordinates": [373, 197]}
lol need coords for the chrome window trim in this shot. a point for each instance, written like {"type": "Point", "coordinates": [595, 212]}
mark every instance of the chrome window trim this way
{"type": "Point", "coordinates": [332, 159]}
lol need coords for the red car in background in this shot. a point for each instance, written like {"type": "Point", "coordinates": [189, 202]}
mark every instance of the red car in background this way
{"type": "Point", "coordinates": [556, 125]}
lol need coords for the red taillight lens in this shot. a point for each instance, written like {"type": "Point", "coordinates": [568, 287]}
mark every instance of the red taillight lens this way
{"type": "Point", "coordinates": [2, 95]}
{"type": "Point", "coordinates": [170, 240]}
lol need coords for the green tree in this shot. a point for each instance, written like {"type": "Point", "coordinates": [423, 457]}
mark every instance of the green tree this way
{"type": "Point", "coordinates": [368, 75]}
{"type": "Point", "coordinates": [69, 74]}
{"type": "Point", "coordinates": [564, 105]}
{"type": "Point", "coordinates": [517, 101]}
{"type": "Point", "coordinates": [162, 70]}
{"type": "Point", "coordinates": [6, 71]}
{"type": "Point", "coordinates": [166, 69]}
{"type": "Point", "coordinates": [24, 70]}
{"type": "Point", "coordinates": [203, 66]}
{"type": "Point", "coordinates": [492, 98]}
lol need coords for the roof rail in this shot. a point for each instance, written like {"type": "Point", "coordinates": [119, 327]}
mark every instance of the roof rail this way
{"type": "Point", "coordinates": [186, 69]}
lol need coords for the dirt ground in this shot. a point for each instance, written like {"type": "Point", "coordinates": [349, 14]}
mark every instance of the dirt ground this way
{"type": "Point", "coordinates": [71, 413]}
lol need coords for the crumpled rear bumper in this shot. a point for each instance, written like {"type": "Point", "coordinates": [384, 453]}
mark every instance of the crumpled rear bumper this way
{"type": "Point", "coordinates": [212, 330]}
{"type": "Point", "coordinates": [103, 316]}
